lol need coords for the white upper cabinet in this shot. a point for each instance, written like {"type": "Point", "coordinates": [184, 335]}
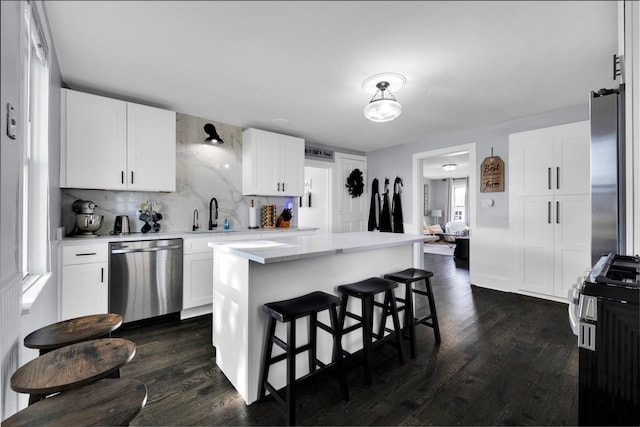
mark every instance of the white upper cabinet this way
{"type": "Point", "coordinates": [272, 164]}
{"type": "Point", "coordinates": [116, 145]}
{"type": "Point", "coordinates": [151, 148]}
{"type": "Point", "coordinates": [552, 160]}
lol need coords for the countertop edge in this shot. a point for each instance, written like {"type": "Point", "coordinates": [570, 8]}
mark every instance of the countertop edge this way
{"type": "Point", "coordinates": [257, 255]}
{"type": "Point", "coordinates": [107, 238]}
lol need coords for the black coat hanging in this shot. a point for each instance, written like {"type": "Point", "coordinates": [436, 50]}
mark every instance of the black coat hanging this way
{"type": "Point", "coordinates": [374, 210]}
{"type": "Point", "coordinates": [385, 216]}
{"type": "Point", "coordinates": [396, 207]}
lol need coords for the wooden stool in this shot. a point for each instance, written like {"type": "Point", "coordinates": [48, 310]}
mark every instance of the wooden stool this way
{"type": "Point", "coordinates": [111, 402]}
{"type": "Point", "coordinates": [409, 277]}
{"type": "Point", "coordinates": [288, 311]}
{"type": "Point", "coordinates": [72, 366]}
{"type": "Point", "coordinates": [366, 290]}
{"type": "Point", "coordinates": [72, 331]}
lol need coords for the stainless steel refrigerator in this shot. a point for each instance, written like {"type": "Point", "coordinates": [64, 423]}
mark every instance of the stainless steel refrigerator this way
{"type": "Point", "coordinates": [607, 173]}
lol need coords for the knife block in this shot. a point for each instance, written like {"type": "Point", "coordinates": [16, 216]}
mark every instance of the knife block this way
{"type": "Point", "coordinates": [282, 223]}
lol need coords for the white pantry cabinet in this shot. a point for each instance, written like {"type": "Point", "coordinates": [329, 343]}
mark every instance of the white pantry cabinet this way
{"type": "Point", "coordinates": [272, 164]}
{"type": "Point", "coordinates": [116, 145]}
{"type": "Point", "coordinates": [551, 161]}
{"type": "Point", "coordinates": [550, 207]}
{"type": "Point", "coordinates": [84, 285]}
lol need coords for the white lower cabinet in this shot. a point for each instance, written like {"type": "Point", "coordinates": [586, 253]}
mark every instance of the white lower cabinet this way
{"type": "Point", "coordinates": [555, 242]}
{"type": "Point", "coordinates": [84, 286]}
{"type": "Point", "coordinates": [197, 268]}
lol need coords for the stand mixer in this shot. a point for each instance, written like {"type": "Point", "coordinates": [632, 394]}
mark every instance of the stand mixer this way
{"type": "Point", "coordinates": [87, 222]}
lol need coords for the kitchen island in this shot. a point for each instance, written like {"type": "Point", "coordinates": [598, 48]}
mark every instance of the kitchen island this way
{"type": "Point", "coordinates": [250, 273]}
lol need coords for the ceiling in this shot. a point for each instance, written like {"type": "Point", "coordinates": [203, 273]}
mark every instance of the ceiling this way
{"type": "Point", "coordinates": [432, 166]}
{"type": "Point", "coordinates": [296, 67]}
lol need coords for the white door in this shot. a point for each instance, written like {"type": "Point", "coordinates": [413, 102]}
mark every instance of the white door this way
{"type": "Point", "coordinates": [352, 212]}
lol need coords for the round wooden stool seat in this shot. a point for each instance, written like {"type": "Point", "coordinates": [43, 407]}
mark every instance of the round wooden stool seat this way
{"type": "Point", "coordinates": [111, 402]}
{"type": "Point", "coordinates": [72, 331]}
{"type": "Point", "coordinates": [72, 366]}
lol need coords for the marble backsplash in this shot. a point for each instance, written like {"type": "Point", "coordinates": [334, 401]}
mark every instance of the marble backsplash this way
{"type": "Point", "coordinates": [203, 171]}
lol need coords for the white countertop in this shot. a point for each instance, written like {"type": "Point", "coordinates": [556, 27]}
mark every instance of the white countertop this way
{"type": "Point", "coordinates": [268, 251]}
{"type": "Point", "coordinates": [259, 233]}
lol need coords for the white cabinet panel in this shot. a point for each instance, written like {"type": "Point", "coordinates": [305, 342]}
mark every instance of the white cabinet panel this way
{"type": "Point", "coordinates": [198, 279]}
{"type": "Point", "coordinates": [84, 285]}
{"type": "Point", "coordinates": [116, 145]}
{"type": "Point", "coordinates": [272, 164]}
{"type": "Point", "coordinates": [550, 207]}
{"type": "Point", "coordinates": [554, 160]}
{"type": "Point", "coordinates": [151, 148]}
{"type": "Point", "coordinates": [536, 256]}
{"type": "Point", "coordinates": [94, 141]}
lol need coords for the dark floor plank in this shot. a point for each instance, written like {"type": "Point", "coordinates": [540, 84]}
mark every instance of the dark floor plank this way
{"type": "Point", "coordinates": [504, 359]}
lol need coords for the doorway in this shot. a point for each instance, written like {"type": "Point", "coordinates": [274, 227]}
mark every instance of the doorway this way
{"type": "Point", "coordinates": [313, 210]}
{"type": "Point", "coordinates": [434, 200]}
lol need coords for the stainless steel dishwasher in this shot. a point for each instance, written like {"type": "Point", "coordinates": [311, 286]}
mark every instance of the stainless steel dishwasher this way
{"type": "Point", "coordinates": [145, 278]}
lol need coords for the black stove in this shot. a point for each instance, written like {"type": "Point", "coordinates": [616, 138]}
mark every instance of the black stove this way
{"type": "Point", "coordinates": [607, 307]}
{"type": "Point", "coordinates": [615, 277]}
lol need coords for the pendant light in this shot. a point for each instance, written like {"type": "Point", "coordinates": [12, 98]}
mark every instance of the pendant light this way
{"type": "Point", "coordinates": [383, 106]}
{"type": "Point", "coordinates": [381, 109]}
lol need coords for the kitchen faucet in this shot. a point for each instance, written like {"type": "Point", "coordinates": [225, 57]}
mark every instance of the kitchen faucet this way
{"type": "Point", "coordinates": [195, 220]}
{"type": "Point", "coordinates": [213, 223]}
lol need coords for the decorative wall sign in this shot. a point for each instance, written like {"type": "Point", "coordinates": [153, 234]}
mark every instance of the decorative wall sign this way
{"type": "Point", "coordinates": [492, 174]}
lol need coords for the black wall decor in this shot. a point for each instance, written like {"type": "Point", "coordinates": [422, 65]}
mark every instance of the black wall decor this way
{"type": "Point", "coordinates": [355, 183]}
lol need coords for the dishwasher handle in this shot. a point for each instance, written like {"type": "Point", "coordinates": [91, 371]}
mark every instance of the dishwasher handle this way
{"type": "Point", "coordinates": [154, 249]}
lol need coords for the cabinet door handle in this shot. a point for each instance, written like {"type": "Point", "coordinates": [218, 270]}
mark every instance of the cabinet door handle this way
{"type": "Point", "coordinates": [132, 177]}
{"type": "Point", "coordinates": [122, 177]}
{"type": "Point", "coordinates": [283, 186]}
{"type": "Point", "coordinates": [557, 177]}
{"type": "Point", "coordinates": [278, 186]}
{"type": "Point", "coordinates": [557, 212]}
{"type": "Point", "coordinates": [102, 275]}
{"type": "Point", "coordinates": [549, 212]}
{"type": "Point", "coordinates": [549, 178]}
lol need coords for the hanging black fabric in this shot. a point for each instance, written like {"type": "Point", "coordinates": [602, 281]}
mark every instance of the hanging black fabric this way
{"type": "Point", "coordinates": [385, 216]}
{"type": "Point", "coordinates": [374, 210]}
{"type": "Point", "coordinates": [396, 207]}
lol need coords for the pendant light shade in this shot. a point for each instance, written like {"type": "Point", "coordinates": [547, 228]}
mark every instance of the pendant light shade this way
{"type": "Point", "coordinates": [382, 108]}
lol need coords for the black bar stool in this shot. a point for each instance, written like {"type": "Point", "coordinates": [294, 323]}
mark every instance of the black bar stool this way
{"type": "Point", "coordinates": [288, 311]}
{"type": "Point", "coordinates": [409, 277]}
{"type": "Point", "coordinates": [366, 290]}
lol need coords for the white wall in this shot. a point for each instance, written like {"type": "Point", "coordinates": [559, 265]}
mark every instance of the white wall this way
{"type": "Point", "coordinates": [397, 160]}
{"type": "Point", "coordinates": [44, 310]}
{"type": "Point", "coordinates": [489, 243]}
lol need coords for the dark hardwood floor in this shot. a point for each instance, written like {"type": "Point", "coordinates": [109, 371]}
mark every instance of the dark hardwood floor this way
{"type": "Point", "coordinates": [504, 359]}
